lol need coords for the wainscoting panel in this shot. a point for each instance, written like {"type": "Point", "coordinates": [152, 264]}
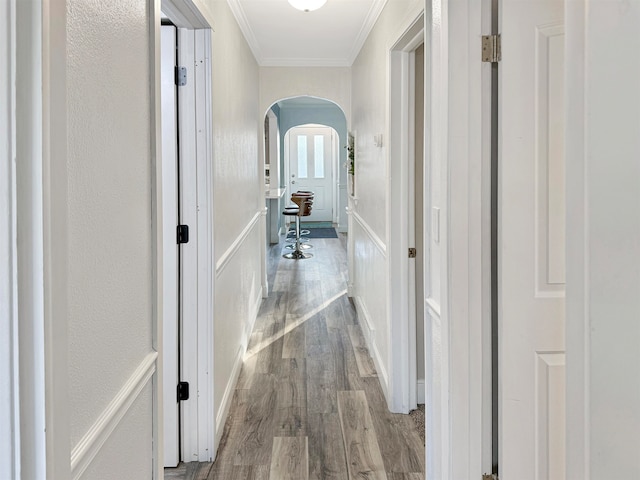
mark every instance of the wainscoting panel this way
{"type": "Point", "coordinates": [237, 297]}
{"type": "Point", "coordinates": [226, 257]}
{"type": "Point", "coordinates": [370, 290]}
{"type": "Point", "coordinates": [91, 446]}
{"type": "Point", "coordinates": [377, 241]}
{"type": "Point", "coordinates": [127, 453]}
{"type": "Point", "coordinates": [369, 333]}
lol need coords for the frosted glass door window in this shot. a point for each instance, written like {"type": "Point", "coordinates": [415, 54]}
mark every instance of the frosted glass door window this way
{"type": "Point", "coordinates": [302, 157]}
{"type": "Point", "coordinates": [318, 156]}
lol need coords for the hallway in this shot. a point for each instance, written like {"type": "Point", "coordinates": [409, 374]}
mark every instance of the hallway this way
{"type": "Point", "coordinates": [308, 385]}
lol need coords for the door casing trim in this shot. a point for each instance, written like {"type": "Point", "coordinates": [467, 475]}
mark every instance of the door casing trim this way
{"type": "Point", "coordinates": [197, 419]}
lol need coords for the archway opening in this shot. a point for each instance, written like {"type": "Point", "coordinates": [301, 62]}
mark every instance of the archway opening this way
{"type": "Point", "coordinates": [279, 119]}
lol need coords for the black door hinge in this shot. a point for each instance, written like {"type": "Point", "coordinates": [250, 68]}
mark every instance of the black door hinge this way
{"type": "Point", "coordinates": [183, 233]}
{"type": "Point", "coordinates": [183, 391]}
{"type": "Point", "coordinates": [181, 76]}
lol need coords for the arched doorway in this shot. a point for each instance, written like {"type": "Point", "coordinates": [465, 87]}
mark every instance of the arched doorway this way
{"type": "Point", "coordinates": [279, 119]}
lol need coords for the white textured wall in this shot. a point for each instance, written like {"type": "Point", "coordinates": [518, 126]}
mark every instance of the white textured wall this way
{"type": "Point", "coordinates": [330, 83]}
{"type": "Point", "coordinates": [108, 217]}
{"type": "Point", "coordinates": [369, 105]}
{"type": "Point", "coordinates": [238, 197]}
{"type": "Point", "coordinates": [235, 129]}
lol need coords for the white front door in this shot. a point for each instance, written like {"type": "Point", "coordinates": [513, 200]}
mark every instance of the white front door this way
{"type": "Point", "coordinates": [311, 154]}
{"type": "Point", "coordinates": [170, 251]}
{"type": "Point", "coordinates": [531, 249]}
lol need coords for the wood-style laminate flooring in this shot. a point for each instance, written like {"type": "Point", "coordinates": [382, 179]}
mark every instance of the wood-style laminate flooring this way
{"type": "Point", "coordinates": [308, 404]}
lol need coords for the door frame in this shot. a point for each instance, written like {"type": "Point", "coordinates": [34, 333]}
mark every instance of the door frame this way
{"type": "Point", "coordinates": [41, 178]}
{"type": "Point", "coordinates": [195, 116]}
{"type": "Point", "coordinates": [273, 151]}
{"type": "Point", "coordinates": [38, 102]}
{"type": "Point", "coordinates": [170, 252]}
{"type": "Point", "coordinates": [457, 323]}
{"type": "Point", "coordinates": [9, 346]}
{"type": "Point", "coordinates": [402, 372]}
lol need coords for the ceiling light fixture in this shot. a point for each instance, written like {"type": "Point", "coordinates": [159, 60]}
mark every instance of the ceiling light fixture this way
{"type": "Point", "coordinates": [307, 5]}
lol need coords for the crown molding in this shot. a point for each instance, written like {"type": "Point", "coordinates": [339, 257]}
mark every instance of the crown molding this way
{"type": "Point", "coordinates": [305, 62]}
{"type": "Point", "coordinates": [241, 18]}
{"type": "Point", "coordinates": [367, 26]}
{"type": "Point", "coordinates": [370, 21]}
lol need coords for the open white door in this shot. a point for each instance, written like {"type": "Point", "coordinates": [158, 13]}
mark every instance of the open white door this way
{"type": "Point", "coordinates": [531, 249]}
{"type": "Point", "coordinates": [170, 247]}
{"type": "Point", "coordinates": [311, 156]}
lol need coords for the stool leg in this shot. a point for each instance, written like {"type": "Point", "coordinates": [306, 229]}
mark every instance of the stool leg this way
{"type": "Point", "coordinates": [297, 252]}
{"type": "Point", "coordinates": [298, 242]}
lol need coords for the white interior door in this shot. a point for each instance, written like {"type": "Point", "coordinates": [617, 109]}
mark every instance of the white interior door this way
{"type": "Point", "coordinates": [531, 250]}
{"type": "Point", "coordinates": [311, 156]}
{"type": "Point", "coordinates": [170, 252]}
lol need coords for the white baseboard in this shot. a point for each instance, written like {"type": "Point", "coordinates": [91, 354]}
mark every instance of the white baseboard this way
{"type": "Point", "coordinates": [251, 321]}
{"type": "Point", "coordinates": [368, 329]}
{"type": "Point", "coordinates": [369, 333]}
{"type": "Point", "coordinates": [227, 398]}
{"type": "Point", "coordinates": [420, 391]}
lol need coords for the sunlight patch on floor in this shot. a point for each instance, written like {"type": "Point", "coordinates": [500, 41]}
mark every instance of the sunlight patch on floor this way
{"type": "Point", "coordinates": [292, 326]}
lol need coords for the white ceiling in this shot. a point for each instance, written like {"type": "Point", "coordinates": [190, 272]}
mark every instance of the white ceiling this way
{"type": "Point", "coordinates": [280, 35]}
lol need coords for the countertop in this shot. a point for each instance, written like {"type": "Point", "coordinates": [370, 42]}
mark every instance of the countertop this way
{"type": "Point", "coordinates": [274, 193]}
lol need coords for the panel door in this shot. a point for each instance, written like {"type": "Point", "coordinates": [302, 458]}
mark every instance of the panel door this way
{"type": "Point", "coordinates": [311, 156]}
{"type": "Point", "coordinates": [170, 248]}
{"type": "Point", "coordinates": [531, 250]}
